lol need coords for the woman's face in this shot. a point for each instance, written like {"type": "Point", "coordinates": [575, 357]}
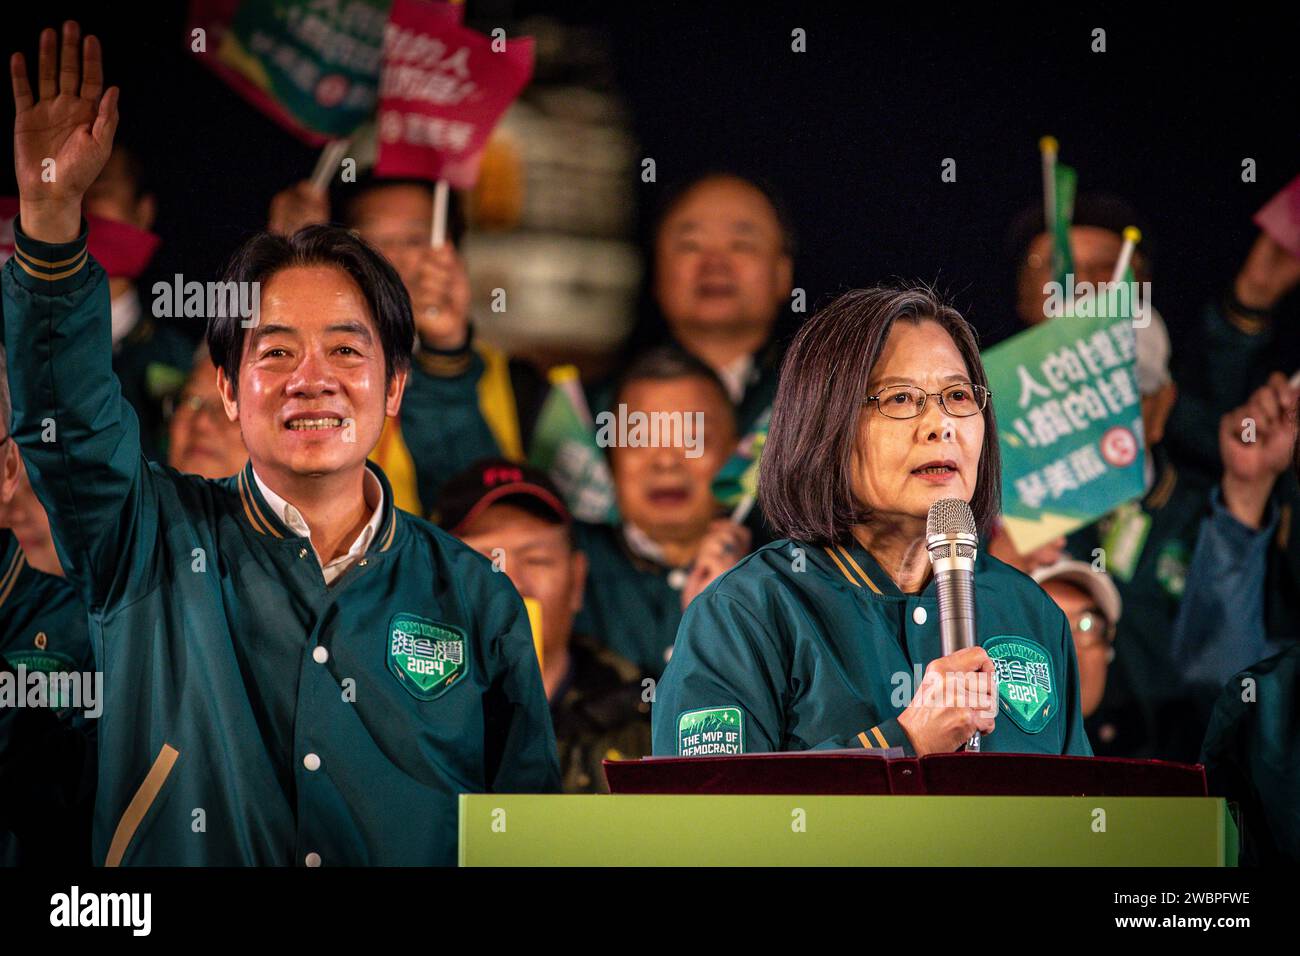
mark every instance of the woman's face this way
{"type": "Point", "coordinates": [890, 474]}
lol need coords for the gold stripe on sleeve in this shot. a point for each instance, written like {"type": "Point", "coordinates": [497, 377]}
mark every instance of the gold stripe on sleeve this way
{"type": "Point", "coordinates": [45, 263]}
{"type": "Point", "coordinates": [875, 732]}
{"type": "Point", "coordinates": [865, 741]}
{"type": "Point", "coordinates": [51, 276]}
{"type": "Point", "coordinates": [140, 804]}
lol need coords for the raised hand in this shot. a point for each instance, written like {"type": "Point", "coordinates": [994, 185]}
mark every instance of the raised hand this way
{"type": "Point", "coordinates": [1270, 272]}
{"type": "Point", "coordinates": [725, 543]}
{"type": "Point", "coordinates": [63, 138]}
{"type": "Point", "coordinates": [1256, 442]}
{"type": "Point", "coordinates": [440, 298]}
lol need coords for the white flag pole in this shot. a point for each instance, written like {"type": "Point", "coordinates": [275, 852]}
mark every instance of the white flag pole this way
{"type": "Point", "coordinates": [440, 194]}
{"type": "Point", "coordinates": [328, 162]}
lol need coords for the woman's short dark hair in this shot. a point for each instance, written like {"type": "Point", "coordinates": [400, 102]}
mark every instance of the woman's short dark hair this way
{"type": "Point", "coordinates": [805, 483]}
{"type": "Point", "coordinates": [262, 256]}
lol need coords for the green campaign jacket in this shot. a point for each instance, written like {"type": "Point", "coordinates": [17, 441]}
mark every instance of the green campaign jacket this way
{"type": "Point", "coordinates": [254, 715]}
{"type": "Point", "coordinates": [47, 757]}
{"type": "Point", "coordinates": [628, 600]}
{"type": "Point", "coordinates": [1251, 757]}
{"type": "Point", "coordinates": [801, 647]}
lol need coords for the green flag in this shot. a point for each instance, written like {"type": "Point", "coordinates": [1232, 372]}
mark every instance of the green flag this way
{"type": "Point", "coordinates": [1066, 180]}
{"type": "Point", "coordinates": [736, 483]}
{"type": "Point", "coordinates": [564, 445]}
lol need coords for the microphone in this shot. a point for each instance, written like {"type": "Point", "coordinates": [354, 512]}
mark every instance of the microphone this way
{"type": "Point", "coordinates": [951, 541]}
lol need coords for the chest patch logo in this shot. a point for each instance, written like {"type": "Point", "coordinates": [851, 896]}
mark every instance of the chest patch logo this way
{"type": "Point", "coordinates": [1028, 693]}
{"type": "Point", "coordinates": [50, 663]}
{"type": "Point", "coordinates": [712, 731]}
{"type": "Point", "coordinates": [426, 657]}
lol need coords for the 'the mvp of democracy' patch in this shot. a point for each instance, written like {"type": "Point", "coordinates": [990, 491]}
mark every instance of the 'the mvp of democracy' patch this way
{"type": "Point", "coordinates": [711, 731]}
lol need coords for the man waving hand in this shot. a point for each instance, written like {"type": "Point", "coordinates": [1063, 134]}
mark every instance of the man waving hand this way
{"type": "Point", "coordinates": [295, 671]}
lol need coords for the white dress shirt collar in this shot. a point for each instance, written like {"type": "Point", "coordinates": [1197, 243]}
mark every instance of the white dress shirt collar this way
{"type": "Point", "coordinates": [294, 520]}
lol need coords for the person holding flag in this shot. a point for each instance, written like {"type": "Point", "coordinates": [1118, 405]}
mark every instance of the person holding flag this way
{"type": "Point", "coordinates": [1155, 703]}
{"type": "Point", "coordinates": [291, 662]}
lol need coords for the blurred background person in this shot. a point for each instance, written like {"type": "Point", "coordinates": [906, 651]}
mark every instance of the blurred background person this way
{"type": "Point", "coordinates": [672, 539]}
{"type": "Point", "coordinates": [1249, 753]}
{"type": "Point", "coordinates": [515, 517]}
{"type": "Point", "coordinates": [722, 250]}
{"type": "Point", "coordinates": [47, 755]}
{"type": "Point", "coordinates": [1146, 546]}
{"type": "Point", "coordinates": [151, 355]}
{"type": "Point", "coordinates": [201, 439]}
{"type": "Point", "coordinates": [1223, 624]}
{"type": "Point", "coordinates": [1091, 603]}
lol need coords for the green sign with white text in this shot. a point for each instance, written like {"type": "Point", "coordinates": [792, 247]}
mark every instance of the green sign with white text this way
{"type": "Point", "coordinates": [1069, 424]}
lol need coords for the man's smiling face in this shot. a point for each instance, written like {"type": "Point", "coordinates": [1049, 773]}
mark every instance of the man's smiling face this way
{"type": "Point", "coordinates": [311, 393]}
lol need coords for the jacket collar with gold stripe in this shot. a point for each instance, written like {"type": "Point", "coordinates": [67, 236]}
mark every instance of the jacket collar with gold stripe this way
{"type": "Point", "coordinates": [12, 563]}
{"type": "Point", "coordinates": [263, 519]}
{"type": "Point", "coordinates": [854, 564]}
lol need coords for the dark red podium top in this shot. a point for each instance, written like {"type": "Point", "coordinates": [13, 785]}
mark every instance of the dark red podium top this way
{"type": "Point", "coordinates": [889, 772]}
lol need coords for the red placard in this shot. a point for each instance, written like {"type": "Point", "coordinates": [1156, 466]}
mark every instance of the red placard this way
{"type": "Point", "coordinates": [442, 90]}
{"type": "Point", "coordinates": [1280, 217]}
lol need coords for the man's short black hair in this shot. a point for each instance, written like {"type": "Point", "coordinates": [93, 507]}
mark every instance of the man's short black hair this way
{"type": "Point", "coordinates": [1099, 209]}
{"type": "Point", "coordinates": [344, 197]}
{"type": "Point", "coordinates": [262, 256]}
{"type": "Point", "coordinates": [677, 191]}
{"type": "Point", "coordinates": [667, 363]}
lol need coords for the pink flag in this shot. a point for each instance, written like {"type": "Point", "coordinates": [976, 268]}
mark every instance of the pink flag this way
{"type": "Point", "coordinates": [1280, 217]}
{"type": "Point", "coordinates": [121, 249]}
{"type": "Point", "coordinates": [443, 88]}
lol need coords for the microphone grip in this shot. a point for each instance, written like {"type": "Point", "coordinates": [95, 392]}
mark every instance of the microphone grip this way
{"type": "Point", "coordinates": [956, 593]}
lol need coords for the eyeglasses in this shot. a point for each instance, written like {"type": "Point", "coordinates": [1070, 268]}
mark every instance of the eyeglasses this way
{"type": "Point", "coordinates": [193, 405]}
{"type": "Point", "coordinates": [908, 401]}
{"type": "Point", "coordinates": [1090, 630]}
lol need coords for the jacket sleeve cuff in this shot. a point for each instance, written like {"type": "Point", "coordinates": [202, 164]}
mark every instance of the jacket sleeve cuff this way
{"type": "Point", "coordinates": [51, 268]}
{"type": "Point", "coordinates": [886, 734]}
{"type": "Point", "coordinates": [1238, 535]}
{"type": "Point", "coordinates": [446, 363]}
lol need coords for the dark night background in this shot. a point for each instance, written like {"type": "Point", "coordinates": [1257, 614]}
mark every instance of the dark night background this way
{"type": "Point", "coordinates": [852, 132]}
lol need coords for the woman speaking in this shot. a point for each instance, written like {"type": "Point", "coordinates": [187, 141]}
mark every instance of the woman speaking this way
{"type": "Point", "coordinates": [829, 637]}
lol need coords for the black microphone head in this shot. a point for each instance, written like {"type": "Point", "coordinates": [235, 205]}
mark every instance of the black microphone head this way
{"type": "Point", "coordinates": [951, 516]}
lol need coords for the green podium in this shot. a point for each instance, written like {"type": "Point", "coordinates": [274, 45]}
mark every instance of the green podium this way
{"type": "Point", "coordinates": [792, 830]}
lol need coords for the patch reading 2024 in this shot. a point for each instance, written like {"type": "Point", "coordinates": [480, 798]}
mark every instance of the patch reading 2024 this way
{"type": "Point", "coordinates": [427, 658]}
{"type": "Point", "coordinates": [711, 731]}
{"type": "Point", "coordinates": [1024, 670]}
